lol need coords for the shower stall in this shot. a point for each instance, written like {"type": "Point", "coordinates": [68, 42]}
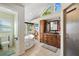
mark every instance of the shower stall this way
{"type": "Point", "coordinates": [7, 40]}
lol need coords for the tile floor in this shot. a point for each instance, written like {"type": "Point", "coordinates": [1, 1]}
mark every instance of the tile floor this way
{"type": "Point", "coordinates": [38, 50]}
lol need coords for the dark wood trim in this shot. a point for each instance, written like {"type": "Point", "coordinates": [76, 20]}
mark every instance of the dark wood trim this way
{"type": "Point", "coordinates": [64, 33]}
{"type": "Point", "coordinates": [69, 6]}
{"type": "Point", "coordinates": [71, 10]}
{"type": "Point", "coordinates": [29, 23]}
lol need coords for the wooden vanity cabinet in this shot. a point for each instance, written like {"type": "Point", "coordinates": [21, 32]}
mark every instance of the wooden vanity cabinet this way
{"type": "Point", "coordinates": [48, 38]}
{"type": "Point", "coordinates": [52, 39]}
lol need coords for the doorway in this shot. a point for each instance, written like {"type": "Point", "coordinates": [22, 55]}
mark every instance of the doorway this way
{"type": "Point", "coordinates": [71, 22]}
{"type": "Point", "coordinates": [8, 32]}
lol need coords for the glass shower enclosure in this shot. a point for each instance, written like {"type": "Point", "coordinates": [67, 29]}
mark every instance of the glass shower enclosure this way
{"type": "Point", "coordinates": [7, 41]}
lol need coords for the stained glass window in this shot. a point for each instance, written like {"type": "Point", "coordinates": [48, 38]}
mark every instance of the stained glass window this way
{"type": "Point", "coordinates": [57, 7]}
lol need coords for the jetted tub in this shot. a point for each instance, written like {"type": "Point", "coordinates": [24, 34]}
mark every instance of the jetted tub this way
{"type": "Point", "coordinates": [29, 41]}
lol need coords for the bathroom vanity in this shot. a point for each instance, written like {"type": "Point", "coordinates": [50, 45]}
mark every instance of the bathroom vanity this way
{"type": "Point", "coordinates": [50, 35]}
{"type": "Point", "coordinates": [50, 39]}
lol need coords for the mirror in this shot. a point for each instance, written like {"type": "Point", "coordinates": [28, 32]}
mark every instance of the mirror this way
{"type": "Point", "coordinates": [54, 26]}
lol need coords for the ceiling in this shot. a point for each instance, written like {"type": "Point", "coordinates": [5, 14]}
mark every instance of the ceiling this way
{"type": "Point", "coordinates": [34, 10]}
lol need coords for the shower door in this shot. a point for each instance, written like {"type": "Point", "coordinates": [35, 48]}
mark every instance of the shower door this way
{"type": "Point", "coordinates": [7, 41]}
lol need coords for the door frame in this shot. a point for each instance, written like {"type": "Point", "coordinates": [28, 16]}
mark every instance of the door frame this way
{"type": "Point", "coordinates": [64, 27]}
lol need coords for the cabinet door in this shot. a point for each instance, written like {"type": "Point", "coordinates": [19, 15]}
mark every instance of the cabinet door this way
{"type": "Point", "coordinates": [58, 41]}
{"type": "Point", "coordinates": [54, 40]}
{"type": "Point", "coordinates": [48, 40]}
{"type": "Point", "coordinates": [42, 38]}
{"type": "Point", "coordinates": [45, 39]}
{"type": "Point", "coordinates": [42, 26]}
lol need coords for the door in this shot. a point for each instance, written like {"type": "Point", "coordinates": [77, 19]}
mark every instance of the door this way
{"type": "Point", "coordinates": [72, 31]}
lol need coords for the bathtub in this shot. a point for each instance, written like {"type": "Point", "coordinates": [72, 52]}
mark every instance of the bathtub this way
{"type": "Point", "coordinates": [29, 41]}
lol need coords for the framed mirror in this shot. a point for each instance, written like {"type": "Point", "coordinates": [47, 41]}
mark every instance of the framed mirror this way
{"type": "Point", "coordinates": [54, 26]}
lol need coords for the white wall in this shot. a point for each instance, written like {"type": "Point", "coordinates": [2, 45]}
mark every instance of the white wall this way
{"type": "Point", "coordinates": [51, 17]}
{"type": "Point", "coordinates": [34, 10]}
{"type": "Point", "coordinates": [20, 10]}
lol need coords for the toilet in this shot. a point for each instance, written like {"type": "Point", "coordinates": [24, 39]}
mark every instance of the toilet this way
{"type": "Point", "coordinates": [5, 45]}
